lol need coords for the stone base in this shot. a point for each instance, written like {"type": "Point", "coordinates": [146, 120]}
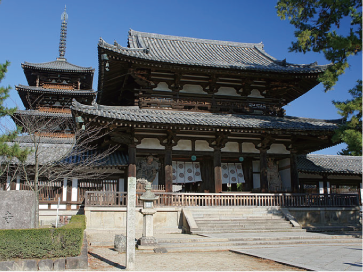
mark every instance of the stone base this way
{"type": "Point", "coordinates": [147, 243]}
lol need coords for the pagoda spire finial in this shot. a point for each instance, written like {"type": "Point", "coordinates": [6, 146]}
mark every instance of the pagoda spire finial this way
{"type": "Point", "coordinates": [63, 34]}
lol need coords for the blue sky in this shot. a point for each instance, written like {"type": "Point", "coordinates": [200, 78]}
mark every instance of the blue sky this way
{"type": "Point", "coordinates": [30, 32]}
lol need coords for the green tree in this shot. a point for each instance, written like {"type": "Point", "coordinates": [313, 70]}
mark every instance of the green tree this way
{"type": "Point", "coordinates": [318, 29]}
{"type": "Point", "coordinates": [7, 150]}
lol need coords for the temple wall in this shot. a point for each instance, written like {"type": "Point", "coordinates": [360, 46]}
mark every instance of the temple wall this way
{"type": "Point", "coordinates": [249, 148]}
{"type": "Point", "coordinates": [166, 220]}
{"type": "Point", "coordinates": [150, 143]}
{"type": "Point", "coordinates": [228, 91]}
{"type": "Point", "coordinates": [231, 147]}
{"type": "Point", "coordinates": [185, 145]}
{"type": "Point", "coordinates": [202, 145]}
{"type": "Point", "coordinates": [326, 217]}
{"type": "Point", "coordinates": [195, 89]}
{"type": "Point", "coordinates": [278, 149]}
{"type": "Point", "coordinates": [162, 86]}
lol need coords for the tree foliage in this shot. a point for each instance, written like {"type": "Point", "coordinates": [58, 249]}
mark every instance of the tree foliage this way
{"type": "Point", "coordinates": [318, 24]}
{"type": "Point", "coordinates": [9, 151]}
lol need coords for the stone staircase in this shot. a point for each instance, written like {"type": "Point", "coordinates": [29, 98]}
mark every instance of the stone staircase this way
{"type": "Point", "coordinates": [226, 241]}
{"type": "Point", "coordinates": [238, 219]}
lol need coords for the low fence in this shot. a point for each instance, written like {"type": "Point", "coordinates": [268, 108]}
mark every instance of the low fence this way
{"type": "Point", "coordinates": [235, 199]}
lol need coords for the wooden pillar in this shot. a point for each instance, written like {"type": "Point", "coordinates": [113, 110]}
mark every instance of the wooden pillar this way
{"type": "Point", "coordinates": [293, 172]}
{"type": "Point", "coordinates": [168, 169]}
{"type": "Point", "coordinates": [217, 157]}
{"type": "Point", "coordinates": [248, 174]}
{"type": "Point", "coordinates": [263, 170]}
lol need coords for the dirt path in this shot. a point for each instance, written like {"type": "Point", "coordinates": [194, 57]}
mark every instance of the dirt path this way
{"type": "Point", "coordinates": [105, 258]}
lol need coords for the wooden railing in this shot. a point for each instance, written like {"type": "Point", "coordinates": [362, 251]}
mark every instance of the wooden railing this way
{"type": "Point", "coordinates": [236, 199]}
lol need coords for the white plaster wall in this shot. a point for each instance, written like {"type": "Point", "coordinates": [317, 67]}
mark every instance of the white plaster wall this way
{"type": "Point", "coordinates": [61, 206]}
{"type": "Point", "coordinates": [256, 93]}
{"type": "Point", "coordinates": [227, 91]}
{"type": "Point", "coordinates": [202, 145]}
{"type": "Point", "coordinates": [162, 86]}
{"type": "Point", "coordinates": [196, 89]}
{"type": "Point", "coordinates": [150, 143]}
{"type": "Point", "coordinates": [249, 148]}
{"type": "Point", "coordinates": [183, 145]}
{"type": "Point", "coordinates": [278, 149]}
{"type": "Point", "coordinates": [230, 147]}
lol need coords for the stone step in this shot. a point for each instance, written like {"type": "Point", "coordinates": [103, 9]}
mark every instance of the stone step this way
{"type": "Point", "coordinates": [248, 230]}
{"type": "Point", "coordinates": [234, 217]}
{"type": "Point", "coordinates": [242, 222]}
{"type": "Point", "coordinates": [202, 239]}
{"type": "Point", "coordinates": [225, 248]}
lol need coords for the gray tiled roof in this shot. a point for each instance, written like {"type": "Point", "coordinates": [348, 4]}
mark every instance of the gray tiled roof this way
{"type": "Point", "coordinates": [205, 53]}
{"type": "Point", "coordinates": [54, 91]}
{"type": "Point", "coordinates": [329, 164]}
{"type": "Point", "coordinates": [45, 140]}
{"type": "Point", "coordinates": [57, 65]}
{"type": "Point", "coordinates": [144, 116]}
{"type": "Point", "coordinates": [42, 113]}
{"type": "Point", "coordinates": [51, 152]}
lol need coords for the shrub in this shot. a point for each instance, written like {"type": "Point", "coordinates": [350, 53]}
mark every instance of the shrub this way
{"type": "Point", "coordinates": [43, 243]}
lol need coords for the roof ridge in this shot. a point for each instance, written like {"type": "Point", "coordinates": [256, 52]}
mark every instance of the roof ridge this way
{"type": "Point", "coordinates": [190, 39]}
{"type": "Point", "coordinates": [56, 61]}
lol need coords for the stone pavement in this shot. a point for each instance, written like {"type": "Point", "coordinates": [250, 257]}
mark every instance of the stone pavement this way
{"type": "Point", "coordinates": [317, 257]}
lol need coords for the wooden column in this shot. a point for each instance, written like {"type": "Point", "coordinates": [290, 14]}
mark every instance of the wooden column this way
{"type": "Point", "coordinates": [293, 172]}
{"type": "Point", "coordinates": [168, 169]}
{"type": "Point", "coordinates": [263, 170]}
{"type": "Point", "coordinates": [248, 173]}
{"type": "Point", "coordinates": [217, 156]}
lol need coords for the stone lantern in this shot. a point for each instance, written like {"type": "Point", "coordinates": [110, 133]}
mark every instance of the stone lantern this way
{"type": "Point", "coordinates": [147, 241]}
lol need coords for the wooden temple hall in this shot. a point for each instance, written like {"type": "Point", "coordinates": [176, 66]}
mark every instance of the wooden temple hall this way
{"type": "Point", "coordinates": [198, 115]}
{"type": "Point", "coordinates": [188, 115]}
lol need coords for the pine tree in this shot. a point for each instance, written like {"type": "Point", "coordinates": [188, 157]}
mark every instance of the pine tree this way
{"type": "Point", "coordinates": [7, 150]}
{"type": "Point", "coordinates": [318, 29]}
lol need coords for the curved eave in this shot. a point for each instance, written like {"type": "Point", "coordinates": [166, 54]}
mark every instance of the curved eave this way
{"type": "Point", "coordinates": [206, 121]}
{"type": "Point", "coordinates": [130, 55]}
{"type": "Point", "coordinates": [57, 67]}
{"type": "Point", "coordinates": [42, 114]}
{"type": "Point", "coordinates": [23, 88]}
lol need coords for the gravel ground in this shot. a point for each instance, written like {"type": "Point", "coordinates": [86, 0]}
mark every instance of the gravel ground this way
{"type": "Point", "coordinates": [106, 258]}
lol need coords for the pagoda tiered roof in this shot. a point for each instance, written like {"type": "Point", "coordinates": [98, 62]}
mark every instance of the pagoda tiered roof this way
{"type": "Point", "coordinates": [60, 65]}
{"type": "Point", "coordinates": [73, 92]}
{"type": "Point", "coordinates": [204, 53]}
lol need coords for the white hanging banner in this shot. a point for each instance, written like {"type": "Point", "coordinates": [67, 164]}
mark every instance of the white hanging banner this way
{"type": "Point", "coordinates": [225, 173]}
{"type": "Point", "coordinates": [180, 176]}
{"type": "Point", "coordinates": [186, 172]}
{"type": "Point", "coordinates": [232, 173]}
{"type": "Point", "coordinates": [189, 173]}
{"type": "Point", "coordinates": [240, 176]}
{"type": "Point", "coordinates": [174, 171]}
{"type": "Point", "coordinates": [197, 173]}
